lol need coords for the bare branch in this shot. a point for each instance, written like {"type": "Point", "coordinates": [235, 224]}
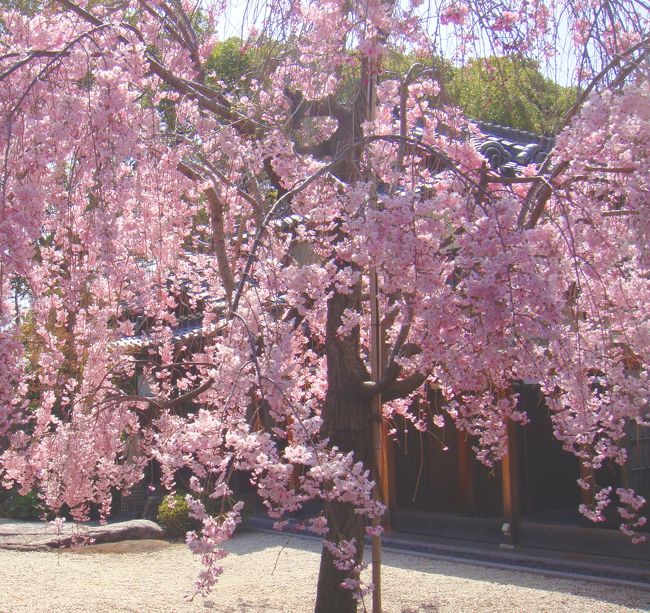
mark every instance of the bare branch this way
{"type": "Point", "coordinates": [32, 55]}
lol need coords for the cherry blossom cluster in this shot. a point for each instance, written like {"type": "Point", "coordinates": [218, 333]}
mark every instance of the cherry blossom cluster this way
{"type": "Point", "coordinates": [136, 194]}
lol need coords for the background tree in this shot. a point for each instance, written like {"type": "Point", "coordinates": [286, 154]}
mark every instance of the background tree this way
{"type": "Point", "coordinates": [116, 145]}
{"type": "Point", "coordinates": [511, 91]}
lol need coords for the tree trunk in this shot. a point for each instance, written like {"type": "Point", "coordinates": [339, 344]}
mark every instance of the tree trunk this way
{"type": "Point", "coordinates": [330, 596]}
{"type": "Point", "coordinates": [346, 422]}
{"type": "Point", "coordinates": [347, 415]}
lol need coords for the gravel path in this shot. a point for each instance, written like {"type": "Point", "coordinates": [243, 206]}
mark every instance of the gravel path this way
{"type": "Point", "coordinates": [268, 573]}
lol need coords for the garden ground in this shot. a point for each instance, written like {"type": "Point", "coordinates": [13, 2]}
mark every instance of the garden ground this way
{"type": "Point", "coordinates": [272, 572]}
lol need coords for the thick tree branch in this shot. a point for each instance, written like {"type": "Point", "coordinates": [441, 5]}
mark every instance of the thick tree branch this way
{"type": "Point", "coordinates": [31, 55]}
{"type": "Point", "coordinates": [81, 12]}
{"type": "Point", "coordinates": [219, 242]}
{"type": "Point", "coordinates": [403, 387]}
{"type": "Point", "coordinates": [300, 109]}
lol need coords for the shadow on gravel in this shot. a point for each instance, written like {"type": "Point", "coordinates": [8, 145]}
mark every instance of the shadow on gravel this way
{"type": "Point", "coordinates": [123, 547]}
{"type": "Point", "coordinates": [458, 568]}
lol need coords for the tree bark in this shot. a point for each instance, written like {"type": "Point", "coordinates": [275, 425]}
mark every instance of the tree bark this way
{"type": "Point", "coordinates": [330, 596]}
{"type": "Point", "coordinates": [347, 418]}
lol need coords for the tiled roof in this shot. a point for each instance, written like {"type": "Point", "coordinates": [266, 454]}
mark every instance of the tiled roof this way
{"type": "Point", "coordinates": [508, 150]}
{"type": "Point", "coordinates": [187, 328]}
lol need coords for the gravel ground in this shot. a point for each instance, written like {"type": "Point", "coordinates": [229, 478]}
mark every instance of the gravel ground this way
{"type": "Point", "coordinates": [275, 572]}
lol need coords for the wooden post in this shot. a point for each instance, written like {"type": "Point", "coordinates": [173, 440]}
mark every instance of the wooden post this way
{"type": "Point", "coordinates": [377, 436]}
{"type": "Point", "coordinates": [510, 481]}
{"type": "Point", "coordinates": [376, 337]}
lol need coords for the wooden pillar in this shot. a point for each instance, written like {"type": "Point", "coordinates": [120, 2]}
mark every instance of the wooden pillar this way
{"type": "Point", "coordinates": [465, 474]}
{"type": "Point", "coordinates": [510, 481]}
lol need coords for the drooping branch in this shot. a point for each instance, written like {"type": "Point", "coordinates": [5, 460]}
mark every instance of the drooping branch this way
{"type": "Point", "coordinates": [159, 404]}
{"type": "Point", "coordinates": [615, 62]}
{"type": "Point", "coordinates": [539, 193]}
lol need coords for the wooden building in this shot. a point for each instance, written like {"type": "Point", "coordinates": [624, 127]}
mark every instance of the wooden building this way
{"type": "Point", "coordinates": [437, 487]}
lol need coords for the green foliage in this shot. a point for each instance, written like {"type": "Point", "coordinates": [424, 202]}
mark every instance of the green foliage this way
{"type": "Point", "coordinates": [230, 63]}
{"type": "Point", "coordinates": [397, 65]}
{"type": "Point", "coordinates": [174, 516]}
{"type": "Point", "coordinates": [511, 92]}
{"type": "Point", "coordinates": [27, 7]}
{"type": "Point", "coordinates": [17, 506]}
{"type": "Point", "coordinates": [174, 512]}
{"type": "Point", "coordinates": [168, 116]}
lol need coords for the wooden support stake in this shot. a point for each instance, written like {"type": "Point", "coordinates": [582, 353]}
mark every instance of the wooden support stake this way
{"type": "Point", "coordinates": [377, 436]}
{"type": "Point", "coordinates": [376, 371]}
{"type": "Point", "coordinates": [510, 481]}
